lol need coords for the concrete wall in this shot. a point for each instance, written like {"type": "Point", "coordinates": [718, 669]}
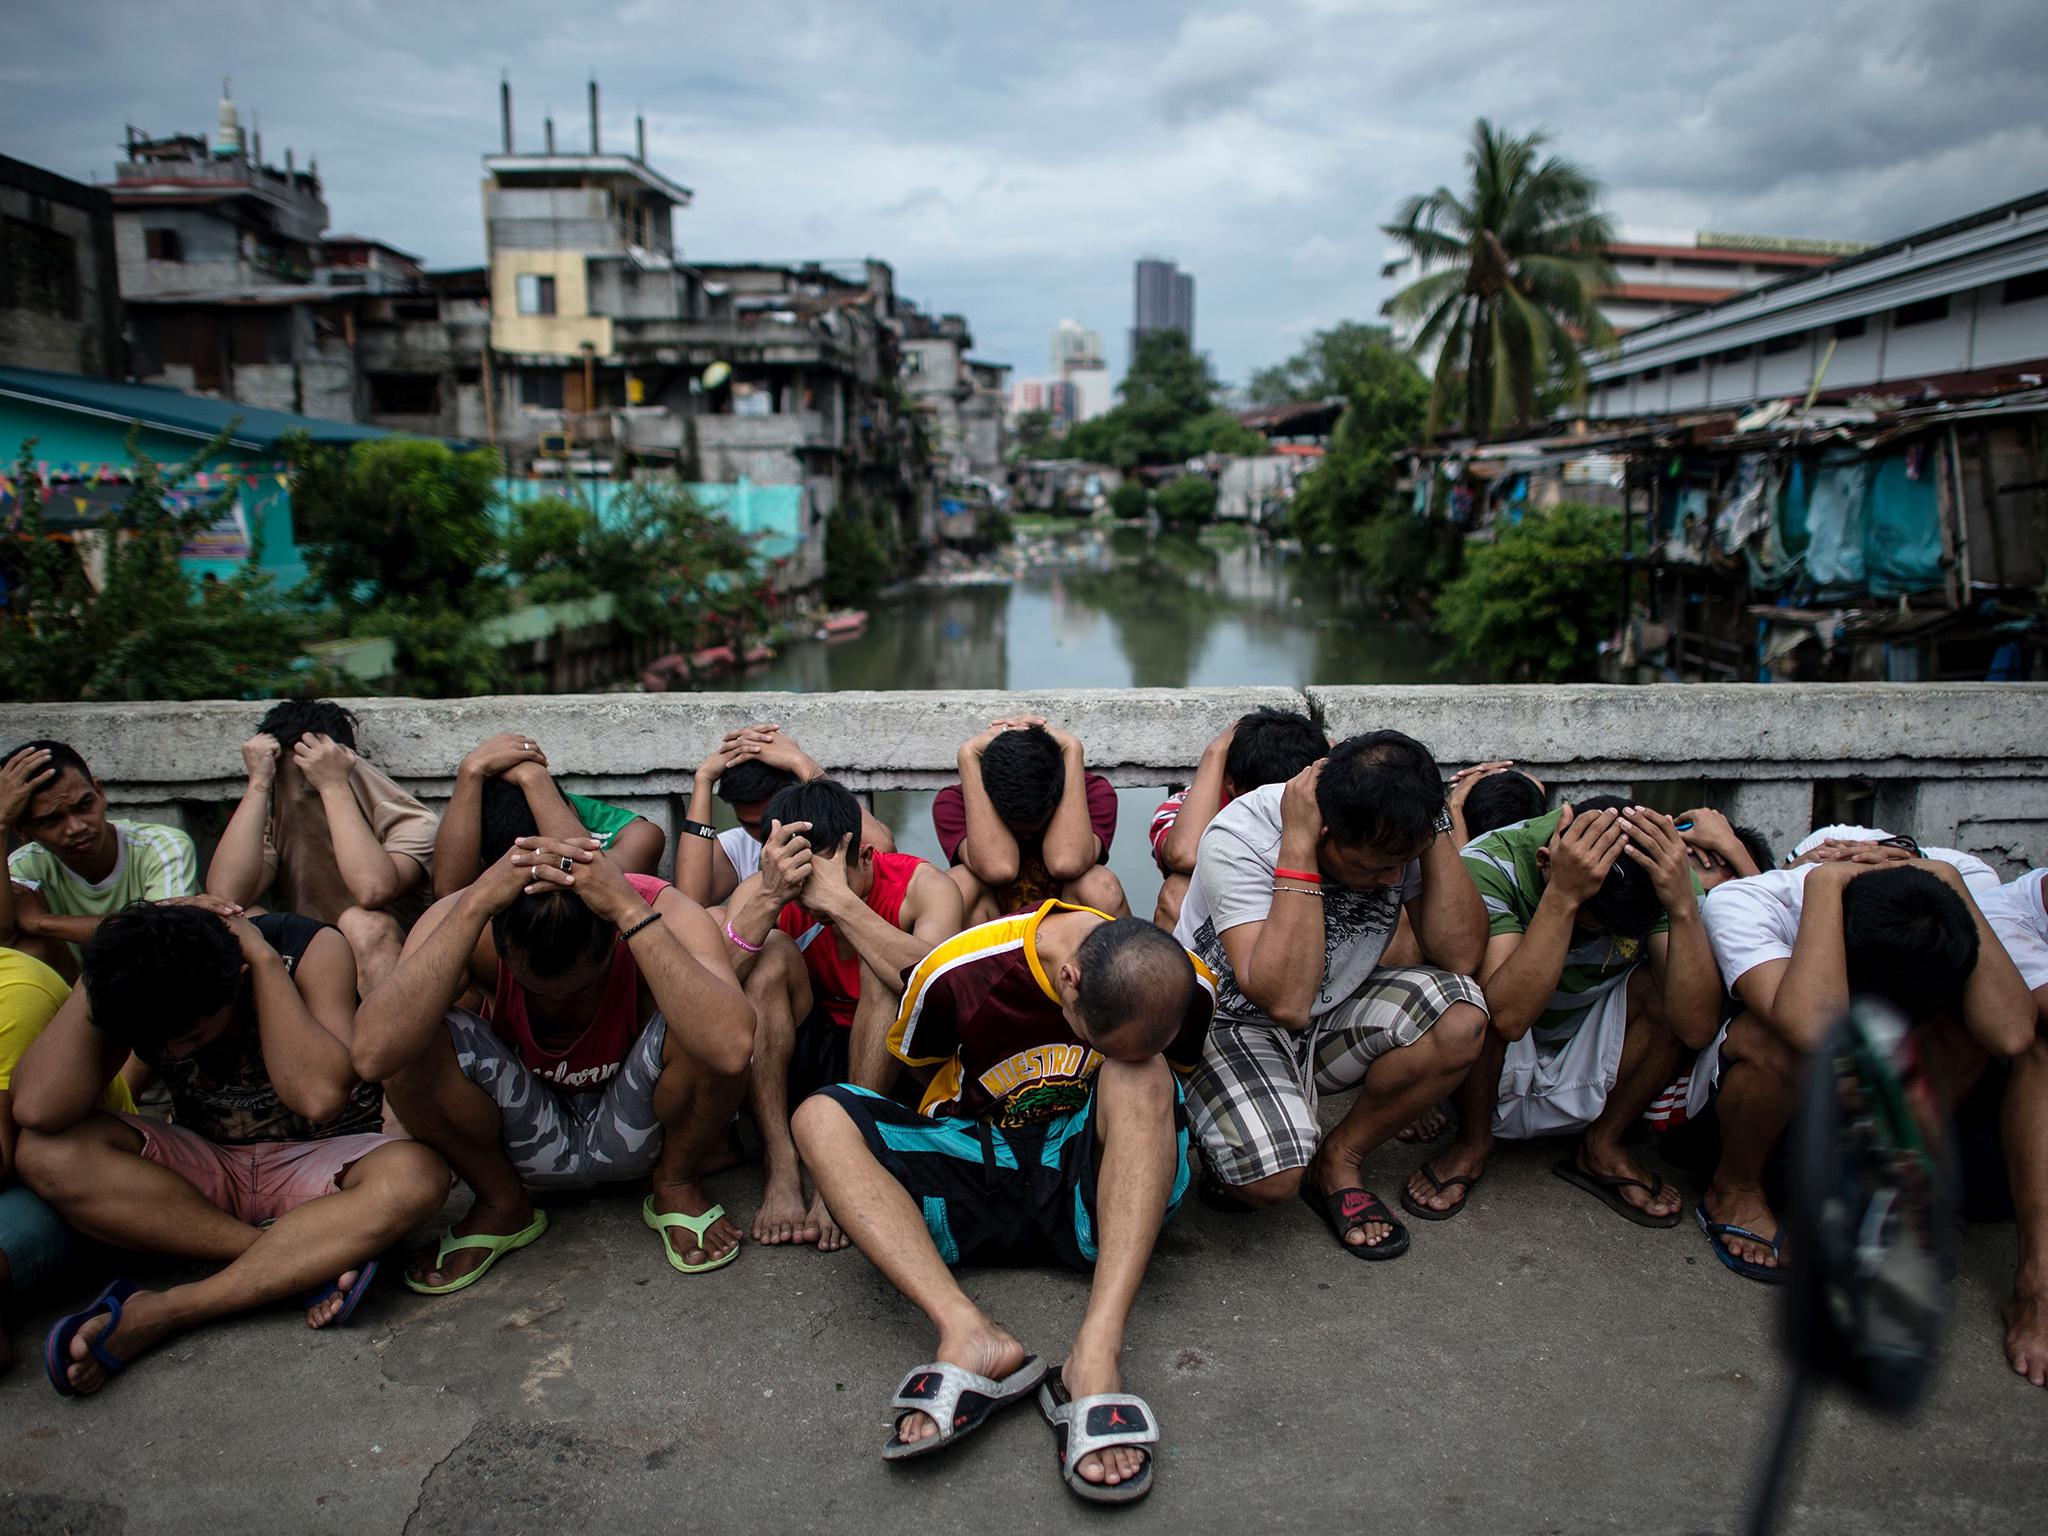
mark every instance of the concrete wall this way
{"type": "Point", "coordinates": [561, 334]}
{"type": "Point", "coordinates": [1960, 765]}
{"type": "Point", "coordinates": [87, 340]}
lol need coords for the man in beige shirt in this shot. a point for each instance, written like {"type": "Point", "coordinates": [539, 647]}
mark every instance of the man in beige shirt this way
{"type": "Point", "coordinates": [322, 833]}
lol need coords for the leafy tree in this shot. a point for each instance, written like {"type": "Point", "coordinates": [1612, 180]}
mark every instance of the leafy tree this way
{"type": "Point", "coordinates": [1533, 606]}
{"type": "Point", "coordinates": [1511, 272]}
{"type": "Point", "coordinates": [1168, 413]}
{"type": "Point", "coordinates": [1108, 439]}
{"type": "Point", "coordinates": [1325, 367]}
{"type": "Point", "coordinates": [149, 630]}
{"type": "Point", "coordinates": [1190, 499]}
{"type": "Point", "coordinates": [858, 557]}
{"type": "Point", "coordinates": [1214, 431]}
{"type": "Point", "coordinates": [1130, 501]}
{"type": "Point", "coordinates": [1031, 434]}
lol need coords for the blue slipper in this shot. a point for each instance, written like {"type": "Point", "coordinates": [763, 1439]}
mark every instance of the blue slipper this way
{"type": "Point", "coordinates": [1718, 1230]}
{"type": "Point", "coordinates": [313, 1298]}
{"type": "Point", "coordinates": [57, 1346]}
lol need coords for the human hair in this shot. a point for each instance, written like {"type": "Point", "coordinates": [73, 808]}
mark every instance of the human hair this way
{"type": "Point", "coordinates": [1626, 904]}
{"type": "Point", "coordinates": [1381, 789]}
{"type": "Point", "coordinates": [1757, 846]}
{"type": "Point", "coordinates": [553, 931]}
{"type": "Point", "coordinates": [152, 971]}
{"type": "Point", "coordinates": [289, 719]}
{"type": "Point", "coordinates": [1502, 799]}
{"type": "Point", "coordinates": [752, 782]}
{"type": "Point", "coordinates": [62, 756]}
{"type": "Point", "coordinates": [827, 805]}
{"type": "Point", "coordinates": [506, 818]}
{"type": "Point", "coordinates": [1908, 939]}
{"type": "Point", "coordinates": [1270, 746]}
{"type": "Point", "coordinates": [1134, 977]}
{"type": "Point", "coordinates": [1022, 772]}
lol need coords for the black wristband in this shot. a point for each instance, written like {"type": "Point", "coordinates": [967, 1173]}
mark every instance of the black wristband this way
{"type": "Point", "coordinates": [646, 922]}
{"type": "Point", "coordinates": [699, 829]}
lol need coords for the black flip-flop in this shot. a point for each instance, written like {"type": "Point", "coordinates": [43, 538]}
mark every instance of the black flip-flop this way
{"type": "Point", "coordinates": [1346, 1210]}
{"type": "Point", "coordinates": [1608, 1193]}
{"type": "Point", "coordinates": [1416, 1208]}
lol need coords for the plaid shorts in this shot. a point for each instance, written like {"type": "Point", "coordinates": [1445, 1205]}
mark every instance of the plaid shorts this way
{"type": "Point", "coordinates": [1253, 1099]}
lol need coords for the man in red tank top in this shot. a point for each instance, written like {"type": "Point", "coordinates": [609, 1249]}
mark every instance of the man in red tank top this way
{"type": "Point", "coordinates": [822, 938]}
{"type": "Point", "coordinates": [557, 1025]}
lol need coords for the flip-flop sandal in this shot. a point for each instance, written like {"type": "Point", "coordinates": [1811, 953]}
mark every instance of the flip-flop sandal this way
{"type": "Point", "coordinates": [498, 1245]}
{"type": "Point", "coordinates": [956, 1400]}
{"type": "Point", "coordinates": [318, 1294]}
{"type": "Point", "coordinates": [696, 1226]}
{"type": "Point", "coordinates": [57, 1359]}
{"type": "Point", "coordinates": [1719, 1231]}
{"type": "Point", "coordinates": [1608, 1192]}
{"type": "Point", "coordinates": [1416, 1208]}
{"type": "Point", "coordinates": [1081, 1426]}
{"type": "Point", "coordinates": [1346, 1210]}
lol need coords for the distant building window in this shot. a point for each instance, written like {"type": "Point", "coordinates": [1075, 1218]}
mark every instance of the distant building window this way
{"type": "Point", "coordinates": [1734, 355]}
{"type": "Point", "coordinates": [1649, 375]}
{"type": "Point", "coordinates": [42, 269]}
{"type": "Point", "coordinates": [405, 394]}
{"type": "Point", "coordinates": [541, 389]}
{"type": "Point", "coordinates": [2024, 290]}
{"type": "Point", "coordinates": [416, 309]}
{"type": "Point", "coordinates": [163, 245]}
{"type": "Point", "coordinates": [1686, 365]}
{"type": "Point", "coordinates": [536, 294]}
{"type": "Point", "coordinates": [1850, 329]}
{"type": "Point", "coordinates": [1921, 313]}
{"type": "Point", "coordinates": [1790, 342]}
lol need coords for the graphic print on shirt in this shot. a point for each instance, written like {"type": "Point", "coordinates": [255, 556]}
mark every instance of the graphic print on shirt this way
{"type": "Point", "coordinates": [1037, 1084]}
{"type": "Point", "coordinates": [1349, 917]}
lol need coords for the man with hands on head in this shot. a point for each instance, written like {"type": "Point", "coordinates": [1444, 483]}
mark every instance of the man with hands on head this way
{"type": "Point", "coordinates": [321, 832]}
{"type": "Point", "coordinates": [505, 784]}
{"type": "Point", "coordinates": [557, 1025]}
{"type": "Point", "coordinates": [1598, 979]}
{"type": "Point", "coordinates": [823, 936]}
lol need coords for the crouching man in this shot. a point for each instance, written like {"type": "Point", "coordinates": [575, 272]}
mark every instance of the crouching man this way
{"type": "Point", "coordinates": [274, 1172]}
{"type": "Point", "coordinates": [605, 1041]}
{"type": "Point", "coordinates": [1053, 1122]}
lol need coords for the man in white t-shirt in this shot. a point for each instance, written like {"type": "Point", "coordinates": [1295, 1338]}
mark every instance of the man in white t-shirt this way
{"type": "Point", "coordinates": [1792, 945]}
{"type": "Point", "coordinates": [1297, 892]}
{"type": "Point", "coordinates": [2018, 916]}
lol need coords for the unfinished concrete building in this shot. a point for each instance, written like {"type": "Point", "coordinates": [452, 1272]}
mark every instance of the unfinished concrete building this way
{"type": "Point", "coordinates": [60, 297]}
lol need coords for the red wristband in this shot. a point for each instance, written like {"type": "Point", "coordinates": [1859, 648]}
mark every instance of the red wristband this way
{"type": "Point", "coordinates": [1298, 874]}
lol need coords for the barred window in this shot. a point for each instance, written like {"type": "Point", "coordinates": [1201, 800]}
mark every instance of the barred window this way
{"type": "Point", "coordinates": [42, 269]}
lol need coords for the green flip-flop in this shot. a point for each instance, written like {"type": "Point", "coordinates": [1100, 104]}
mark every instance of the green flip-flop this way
{"type": "Point", "coordinates": [696, 1226]}
{"type": "Point", "coordinates": [498, 1244]}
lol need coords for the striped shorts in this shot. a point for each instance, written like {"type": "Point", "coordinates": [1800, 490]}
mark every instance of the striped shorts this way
{"type": "Point", "coordinates": [1253, 1099]}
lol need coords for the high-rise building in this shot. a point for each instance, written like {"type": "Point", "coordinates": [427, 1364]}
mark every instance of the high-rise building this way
{"type": "Point", "coordinates": [1164, 299]}
{"type": "Point", "coordinates": [1077, 360]}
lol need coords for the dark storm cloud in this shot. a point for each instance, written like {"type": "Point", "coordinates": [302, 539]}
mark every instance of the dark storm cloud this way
{"type": "Point", "coordinates": [1012, 159]}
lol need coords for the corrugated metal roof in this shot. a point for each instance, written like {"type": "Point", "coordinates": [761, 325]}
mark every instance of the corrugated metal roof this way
{"type": "Point", "coordinates": [172, 410]}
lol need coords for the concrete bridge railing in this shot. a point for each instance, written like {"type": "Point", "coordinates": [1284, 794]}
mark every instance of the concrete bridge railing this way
{"type": "Point", "coordinates": [1964, 765]}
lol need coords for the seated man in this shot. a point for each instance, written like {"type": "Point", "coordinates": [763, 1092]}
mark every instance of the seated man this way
{"type": "Point", "coordinates": [1053, 1122]}
{"type": "Point", "coordinates": [76, 866]}
{"type": "Point", "coordinates": [1488, 796]}
{"type": "Point", "coordinates": [322, 833]}
{"type": "Point", "coordinates": [606, 1041]}
{"type": "Point", "coordinates": [749, 768]}
{"type": "Point", "coordinates": [2017, 915]}
{"type": "Point", "coordinates": [273, 1172]}
{"type": "Point", "coordinates": [1721, 850]}
{"type": "Point", "coordinates": [1297, 893]}
{"type": "Point", "coordinates": [1598, 977]}
{"type": "Point", "coordinates": [503, 791]}
{"type": "Point", "coordinates": [35, 1246]}
{"type": "Point", "coordinates": [822, 937]}
{"type": "Point", "coordinates": [1267, 746]}
{"type": "Point", "coordinates": [1793, 945]}
{"type": "Point", "coordinates": [1027, 823]}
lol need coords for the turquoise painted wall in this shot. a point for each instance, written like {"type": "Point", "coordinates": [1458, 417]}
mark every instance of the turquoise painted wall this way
{"type": "Point", "coordinates": [775, 512]}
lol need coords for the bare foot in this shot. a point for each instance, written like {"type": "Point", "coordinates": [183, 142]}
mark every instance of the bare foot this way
{"type": "Point", "coordinates": [1087, 1373]}
{"type": "Point", "coordinates": [145, 1321]}
{"type": "Point", "coordinates": [982, 1348]}
{"type": "Point", "coordinates": [1328, 1173]}
{"type": "Point", "coordinates": [1427, 1126]}
{"type": "Point", "coordinates": [1460, 1161]}
{"type": "Point", "coordinates": [689, 1199]}
{"type": "Point", "coordinates": [830, 1238]}
{"type": "Point", "coordinates": [1745, 1208]}
{"type": "Point", "coordinates": [726, 1152]}
{"type": "Point", "coordinates": [1611, 1162]}
{"type": "Point", "coordinates": [2026, 1332]}
{"type": "Point", "coordinates": [324, 1312]}
{"type": "Point", "coordinates": [497, 1221]}
{"type": "Point", "coordinates": [781, 1218]}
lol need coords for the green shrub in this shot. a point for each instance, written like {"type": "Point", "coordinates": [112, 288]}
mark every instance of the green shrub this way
{"type": "Point", "coordinates": [1533, 606]}
{"type": "Point", "coordinates": [1130, 501]}
{"type": "Point", "coordinates": [1190, 499]}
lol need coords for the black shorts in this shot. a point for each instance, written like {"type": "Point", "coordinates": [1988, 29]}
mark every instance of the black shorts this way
{"type": "Point", "coordinates": [820, 1056]}
{"type": "Point", "coordinates": [996, 1192]}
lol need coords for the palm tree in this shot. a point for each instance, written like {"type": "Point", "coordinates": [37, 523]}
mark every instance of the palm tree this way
{"type": "Point", "coordinates": [1511, 272]}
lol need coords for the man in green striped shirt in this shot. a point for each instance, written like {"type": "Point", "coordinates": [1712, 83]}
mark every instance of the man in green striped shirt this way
{"type": "Point", "coordinates": [1598, 980]}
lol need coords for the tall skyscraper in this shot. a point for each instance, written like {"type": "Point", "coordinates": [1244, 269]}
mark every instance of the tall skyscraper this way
{"type": "Point", "coordinates": [1077, 360]}
{"type": "Point", "coordinates": [1164, 299]}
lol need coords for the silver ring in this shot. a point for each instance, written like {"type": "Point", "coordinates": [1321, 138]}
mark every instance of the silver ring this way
{"type": "Point", "coordinates": [567, 863]}
{"type": "Point", "coordinates": [529, 746]}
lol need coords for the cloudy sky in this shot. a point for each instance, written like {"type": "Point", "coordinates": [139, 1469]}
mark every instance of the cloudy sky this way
{"type": "Point", "coordinates": [1012, 159]}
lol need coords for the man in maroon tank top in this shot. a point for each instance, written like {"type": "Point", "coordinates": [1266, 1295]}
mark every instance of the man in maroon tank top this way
{"type": "Point", "coordinates": [562, 1024]}
{"type": "Point", "coordinates": [822, 938]}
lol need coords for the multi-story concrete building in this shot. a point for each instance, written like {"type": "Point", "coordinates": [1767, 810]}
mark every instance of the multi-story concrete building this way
{"type": "Point", "coordinates": [1056, 397]}
{"type": "Point", "coordinates": [1077, 359]}
{"type": "Point", "coordinates": [1163, 299]}
{"type": "Point", "coordinates": [60, 297]}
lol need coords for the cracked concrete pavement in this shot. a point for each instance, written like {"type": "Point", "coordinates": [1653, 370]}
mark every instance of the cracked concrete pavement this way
{"type": "Point", "coordinates": [1536, 1365]}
